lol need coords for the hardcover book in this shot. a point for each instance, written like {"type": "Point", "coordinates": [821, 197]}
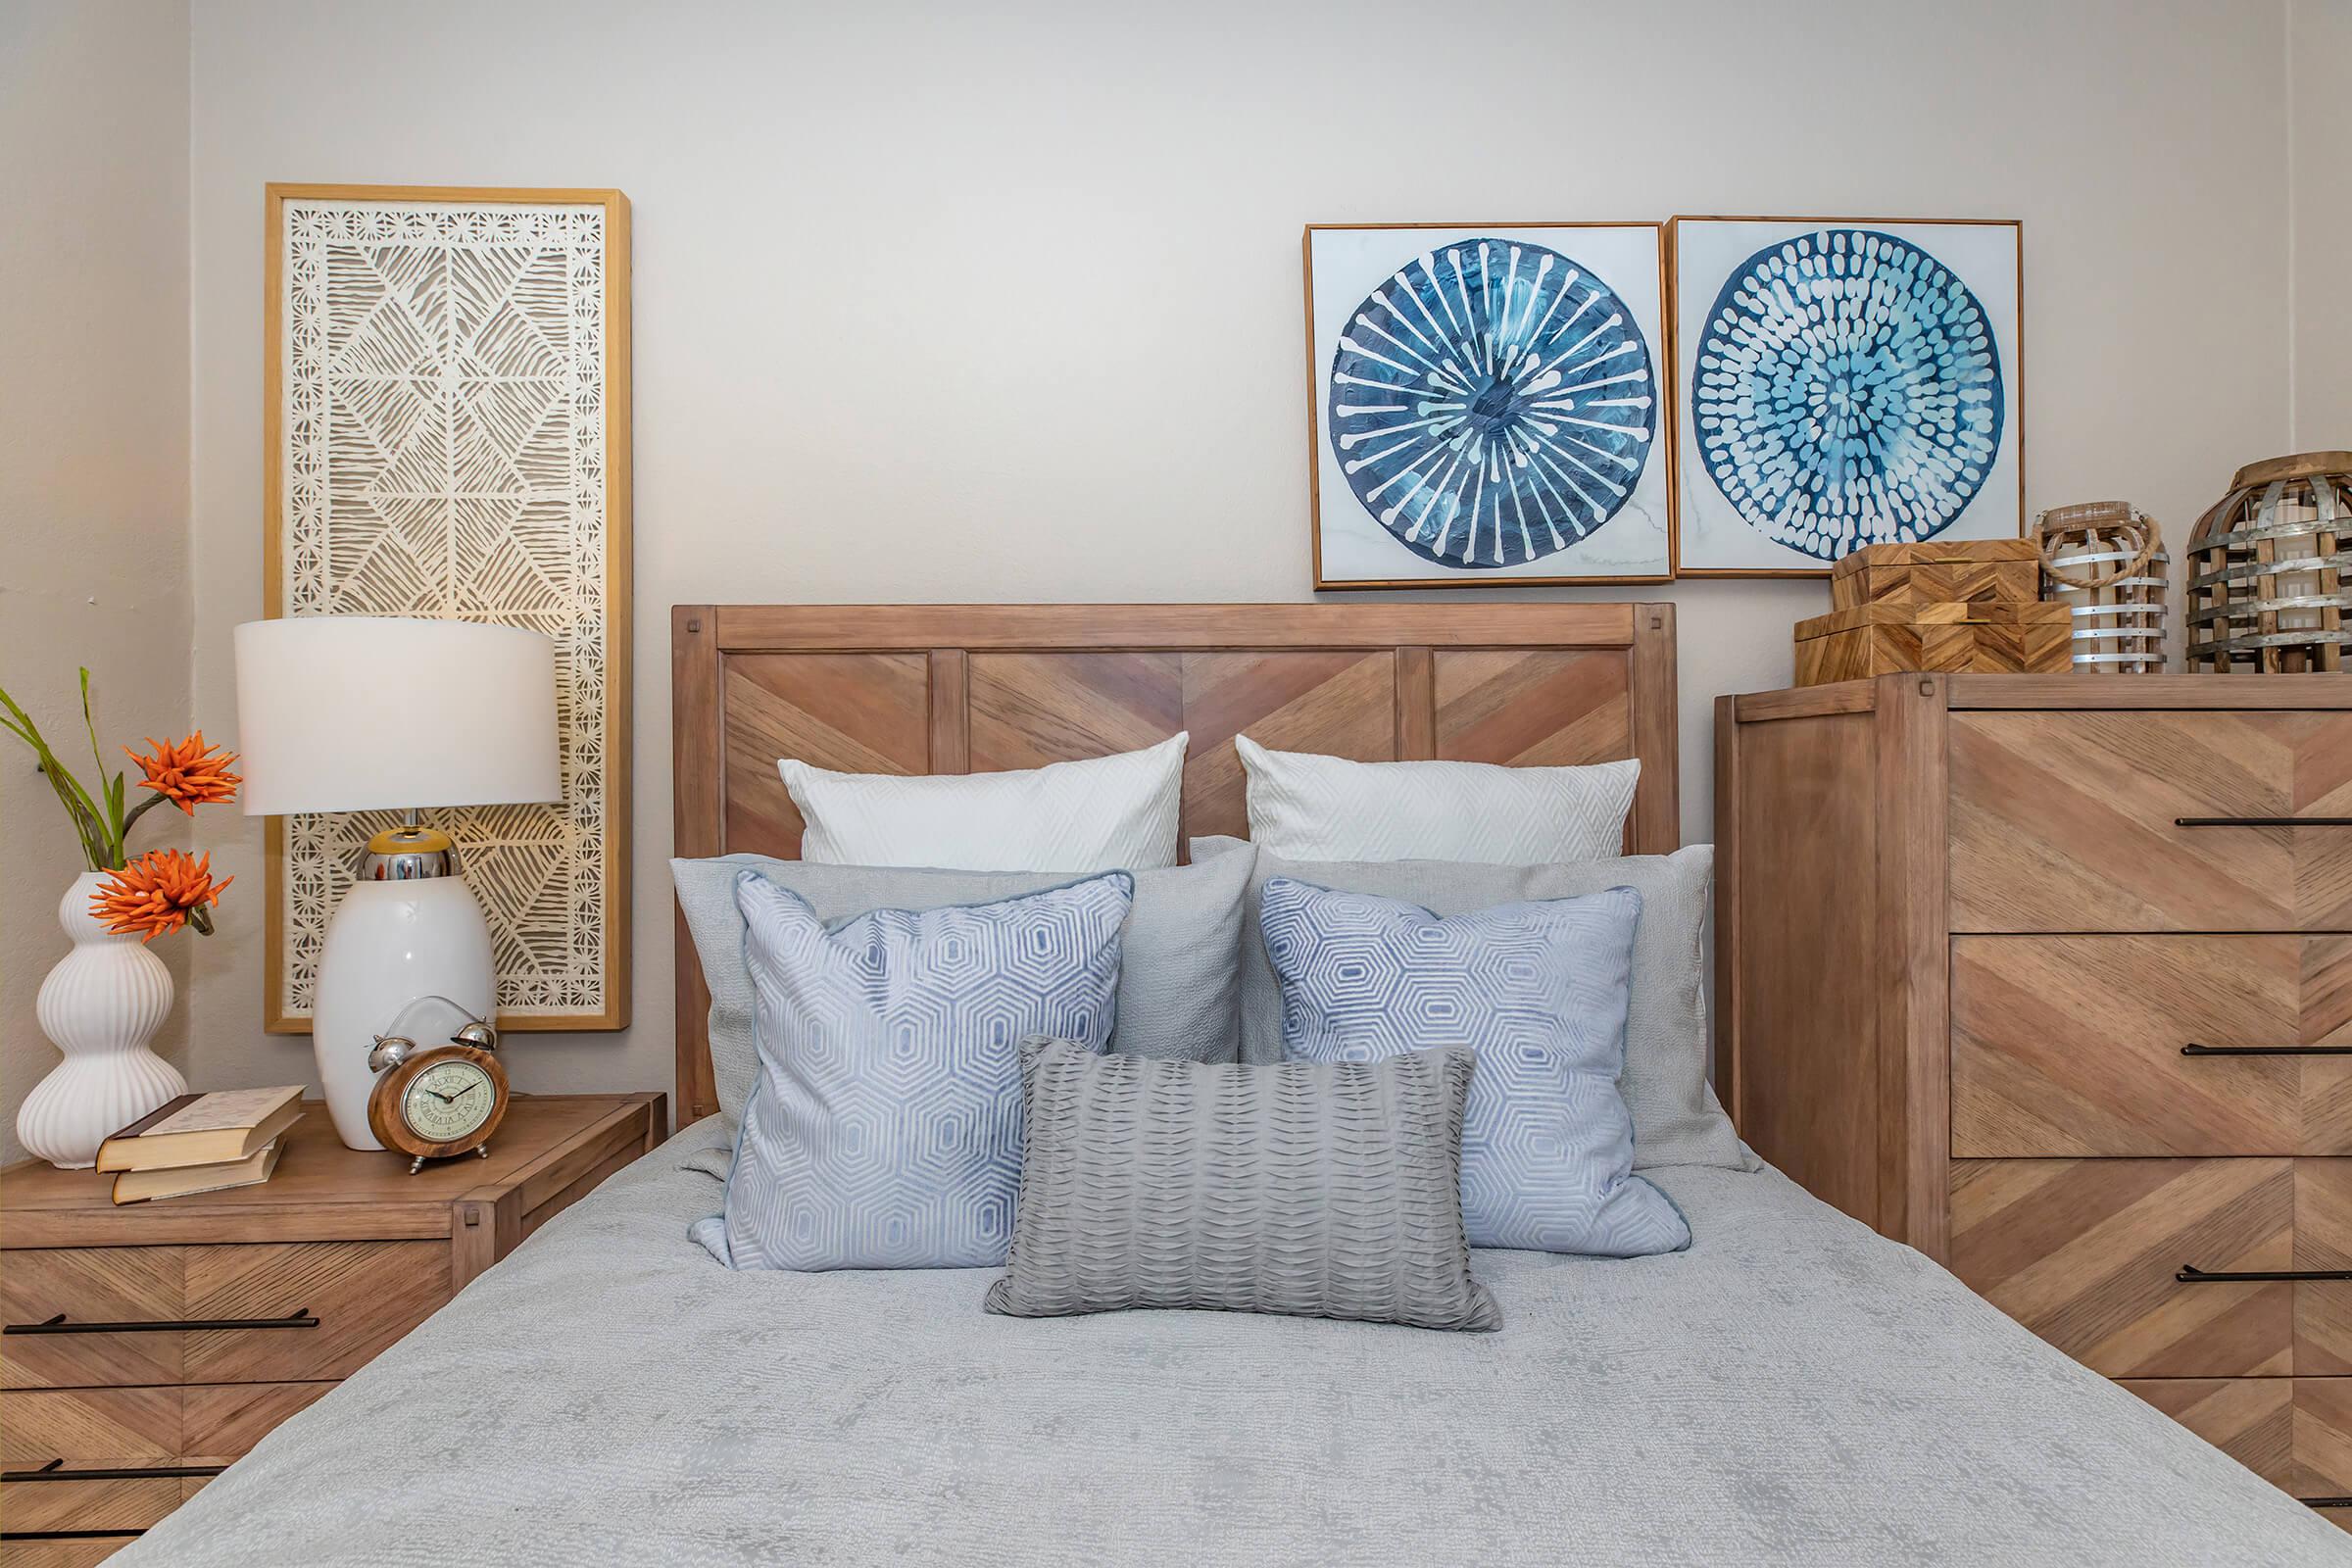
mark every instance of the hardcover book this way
{"type": "Point", "coordinates": [227, 1124]}
{"type": "Point", "coordinates": [138, 1186]}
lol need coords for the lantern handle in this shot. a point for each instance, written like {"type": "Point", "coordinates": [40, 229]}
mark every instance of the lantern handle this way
{"type": "Point", "coordinates": [2115, 515]}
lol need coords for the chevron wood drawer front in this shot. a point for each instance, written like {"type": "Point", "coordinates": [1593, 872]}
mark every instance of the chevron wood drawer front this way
{"type": "Point", "coordinates": [2075, 822]}
{"type": "Point", "coordinates": [301, 1312]}
{"type": "Point", "coordinates": [2087, 1253]}
{"type": "Point", "coordinates": [2295, 1433]}
{"type": "Point", "coordinates": [2150, 1045]}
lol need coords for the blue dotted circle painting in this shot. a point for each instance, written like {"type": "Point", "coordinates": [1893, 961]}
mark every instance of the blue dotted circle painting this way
{"type": "Point", "coordinates": [1848, 388]}
{"type": "Point", "coordinates": [1489, 402]}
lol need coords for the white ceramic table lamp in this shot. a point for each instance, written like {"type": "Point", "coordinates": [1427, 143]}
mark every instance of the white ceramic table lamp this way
{"type": "Point", "coordinates": [366, 714]}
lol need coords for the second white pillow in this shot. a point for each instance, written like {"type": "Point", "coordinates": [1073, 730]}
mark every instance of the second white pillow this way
{"type": "Point", "coordinates": [1103, 813]}
{"type": "Point", "coordinates": [1305, 806]}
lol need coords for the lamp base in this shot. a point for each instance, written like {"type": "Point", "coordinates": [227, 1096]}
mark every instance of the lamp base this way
{"type": "Point", "coordinates": [390, 943]}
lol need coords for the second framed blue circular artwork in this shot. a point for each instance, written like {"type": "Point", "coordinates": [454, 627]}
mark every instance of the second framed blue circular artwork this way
{"type": "Point", "coordinates": [1846, 391]}
{"type": "Point", "coordinates": [1492, 403]}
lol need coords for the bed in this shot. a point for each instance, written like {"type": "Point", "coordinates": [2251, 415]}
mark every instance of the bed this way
{"type": "Point", "coordinates": [1791, 1388]}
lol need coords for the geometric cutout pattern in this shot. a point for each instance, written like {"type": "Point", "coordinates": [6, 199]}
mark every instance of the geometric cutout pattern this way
{"type": "Point", "coordinates": [443, 408]}
{"type": "Point", "coordinates": [885, 1128]}
{"type": "Point", "coordinates": [1539, 992]}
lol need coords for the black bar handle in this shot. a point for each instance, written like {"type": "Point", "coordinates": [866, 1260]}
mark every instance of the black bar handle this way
{"type": "Point", "coordinates": [2262, 821]}
{"type": "Point", "coordinates": [2325, 1502]}
{"type": "Point", "coordinates": [2193, 1049]}
{"type": "Point", "coordinates": [300, 1318]}
{"type": "Point", "coordinates": [2190, 1274]}
{"type": "Point", "coordinates": [55, 1470]}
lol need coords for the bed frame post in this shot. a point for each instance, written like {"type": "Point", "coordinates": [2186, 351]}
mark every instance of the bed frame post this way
{"type": "Point", "coordinates": [698, 828]}
{"type": "Point", "coordinates": [1657, 825]}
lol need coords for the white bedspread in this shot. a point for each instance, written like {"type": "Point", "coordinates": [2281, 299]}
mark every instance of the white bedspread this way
{"type": "Point", "coordinates": [1791, 1390]}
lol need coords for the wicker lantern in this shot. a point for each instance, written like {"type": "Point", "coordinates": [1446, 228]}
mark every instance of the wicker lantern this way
{"type": "Point", "coordinates": [2266, 591]}
{"type": "Point", "coordinates": [2105, 561]}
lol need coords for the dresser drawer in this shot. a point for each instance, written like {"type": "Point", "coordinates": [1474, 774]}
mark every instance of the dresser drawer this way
{"type": "Point", "coordinates": [294, 1312]}
{"type": "Point", "coordinates": [2088, 1254]}
{"type": "Point", "coordinates": [128, 1428]}
{"type": "Point", "coordinates": [42, 1506]}
{"type": "Point", "coordinates": [2295, 1433]}
{"type": "Point", "coordinates": [2085, 822]}
{"type": "Point", "coordinates": [2150, 1045]}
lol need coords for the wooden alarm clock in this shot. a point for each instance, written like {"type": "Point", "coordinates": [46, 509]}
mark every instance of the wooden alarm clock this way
{"type": "Point", "coordinates": [437, 1102]}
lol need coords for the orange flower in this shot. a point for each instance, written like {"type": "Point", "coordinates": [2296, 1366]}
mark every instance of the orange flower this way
{"type": "Point", "coordinates": [186, 774]}
{"type": "Point", "coordinates": [161, 891]}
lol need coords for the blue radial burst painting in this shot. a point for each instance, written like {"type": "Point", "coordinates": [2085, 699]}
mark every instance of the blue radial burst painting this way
{"type": "Point", "coordinates": [1490, 404]}
{"type": "Point", "coordinates": [1847, 386]}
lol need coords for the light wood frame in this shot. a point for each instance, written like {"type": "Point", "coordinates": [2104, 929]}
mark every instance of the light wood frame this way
{"type": "Point", "coordinates": [1674, 347]}
{"type": "Point", "coordinates": [957, 688]}
{"type": "Point", "coordinates": [1667, 434]}
{"type": "Point", "coordinates": [620, 630]}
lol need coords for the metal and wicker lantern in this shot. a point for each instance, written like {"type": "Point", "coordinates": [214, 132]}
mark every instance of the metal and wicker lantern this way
{"type": "Point", "coordinates": [2266, 590]}
{"type": "Point", "coordinates": [2105, 561]}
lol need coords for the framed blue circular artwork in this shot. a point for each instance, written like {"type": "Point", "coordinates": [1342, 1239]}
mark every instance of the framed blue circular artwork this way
{"type": "Point", "coordinates": [1489, 402]}
{"type": "Point", "coordinates": [1848, 389]}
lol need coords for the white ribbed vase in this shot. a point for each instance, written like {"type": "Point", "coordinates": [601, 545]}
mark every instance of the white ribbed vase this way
{"type": "Point", "coordinates": [100, 1006]}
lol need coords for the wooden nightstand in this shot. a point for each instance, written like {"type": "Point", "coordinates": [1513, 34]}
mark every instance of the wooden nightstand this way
{"type": "Point", "coordinates": [149, 1345]}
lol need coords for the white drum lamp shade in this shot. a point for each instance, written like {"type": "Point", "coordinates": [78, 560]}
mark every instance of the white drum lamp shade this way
{"type": "Point", "coordinates": [363, 714]}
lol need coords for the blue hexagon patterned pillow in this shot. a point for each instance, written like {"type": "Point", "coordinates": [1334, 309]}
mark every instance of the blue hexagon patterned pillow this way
{"type": "Point", "coordinates": [885, 1128]}
{"type": "Point", "coordinates": [1538, 991]}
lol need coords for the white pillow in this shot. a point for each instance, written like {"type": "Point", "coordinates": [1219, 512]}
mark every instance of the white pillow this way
{"type": "Point", "coordinates": [1304, 806]}
{"type": "Point", "coordinates": [1106, 814]}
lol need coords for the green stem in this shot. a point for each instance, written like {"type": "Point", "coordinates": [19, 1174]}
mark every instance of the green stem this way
{"type": "Point", "coordinates": [138, 812]}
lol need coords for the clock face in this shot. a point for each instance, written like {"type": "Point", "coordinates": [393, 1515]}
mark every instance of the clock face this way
{"type": "Point", "coordinates": [448, 1101]}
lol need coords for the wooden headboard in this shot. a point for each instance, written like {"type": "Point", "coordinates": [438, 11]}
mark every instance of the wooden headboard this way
{"type": "Point", "coordinates": [974, 688]}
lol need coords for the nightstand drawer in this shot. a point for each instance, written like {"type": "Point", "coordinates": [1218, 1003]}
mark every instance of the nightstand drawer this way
{"type": "Point", "coordinates": [2067, 1046]}
{"type": "Point", "coordinates": [273, 1313]}
{"type": "Point", "coordinates": [2295, 1433]}
{"type": "Point", "coordinates": [2136, 822]}
{"type": "Point", "coordinates": [114, 1503]}
{"type": "Point", "coordinates": [126, 1428]}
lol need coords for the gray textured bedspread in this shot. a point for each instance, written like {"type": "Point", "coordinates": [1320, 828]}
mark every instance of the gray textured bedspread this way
{"type": "Point", "coordinates": [1791, 1390]}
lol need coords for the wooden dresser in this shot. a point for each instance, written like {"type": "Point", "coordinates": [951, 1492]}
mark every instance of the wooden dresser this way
{"type": "Point", "coordinates": [2052, 977]}
{"type": "Point", "coordinates": [147, 1346]}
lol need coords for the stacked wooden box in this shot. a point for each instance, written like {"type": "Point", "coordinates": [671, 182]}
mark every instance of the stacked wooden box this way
{"type": "Point", "coordinates": [1972, 606]}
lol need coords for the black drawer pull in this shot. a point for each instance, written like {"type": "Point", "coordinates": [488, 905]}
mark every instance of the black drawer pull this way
{"type": "Point", "coordinates": [70, 1534]}
{"type": "Point", "coordinates": [55, 1470]}
{"type": "Point", "coordinates": [2194, 1050]}
{"type": "Point", "coordinates": [2262, 821]}
{"type": "Point", "coordinates": [300, 1318]}
{"type": "Point", "coordinates": [2325, 1502]}
{"type": "Point", "coordinates": [2190, 1274]}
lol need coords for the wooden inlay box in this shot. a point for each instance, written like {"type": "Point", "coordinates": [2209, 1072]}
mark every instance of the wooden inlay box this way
{"type": "Point", "coordinates": [2052, 979]}
{"type": "Point", "coordinates": [230, 1312]}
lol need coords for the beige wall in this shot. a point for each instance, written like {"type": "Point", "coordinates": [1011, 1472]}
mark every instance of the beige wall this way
{"type": "Point", "coordinates": [93, 446]}
{"type": "Point", "coordinates": [1003, 303]}
{"type": "Point", "coordinates": [2320, 96]}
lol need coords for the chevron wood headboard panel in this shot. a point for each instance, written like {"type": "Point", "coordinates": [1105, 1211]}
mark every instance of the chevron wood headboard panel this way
{"type": "Point", "coordinates": [975, 688]}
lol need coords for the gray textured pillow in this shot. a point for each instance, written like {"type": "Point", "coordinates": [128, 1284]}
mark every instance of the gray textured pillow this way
{"type": "Point", "coordinates": [1677, 1119]}
{"type": "Point", "coordinates": [1315, 1189]}
{"type": "Point", "coordinates": [1179, 980]}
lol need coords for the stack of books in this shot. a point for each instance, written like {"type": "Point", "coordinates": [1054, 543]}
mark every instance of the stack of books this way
{"type": "Point", "coordinates": [201, 1143]}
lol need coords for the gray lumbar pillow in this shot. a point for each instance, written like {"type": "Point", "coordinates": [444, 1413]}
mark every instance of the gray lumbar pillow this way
{"type": "Point", "coordinates": [1179, 980]}
{"type": "Point", "coordinates": [1316, 1189]}
{"type": "Point", "coordinates": [1677, 1119]}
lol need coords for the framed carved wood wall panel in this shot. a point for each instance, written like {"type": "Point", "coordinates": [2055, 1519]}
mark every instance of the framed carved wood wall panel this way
{"type": "Point", "coordinates": [446, 417]}
{"type": "Point", "coordinates": [2086, 1253]}
{"type": "Point", "coordinates": [2107, 821]}
{"type": "Point", "coordinates": [953, 689]}
{"type": "Point", "coordinates": [2075, 1045]}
